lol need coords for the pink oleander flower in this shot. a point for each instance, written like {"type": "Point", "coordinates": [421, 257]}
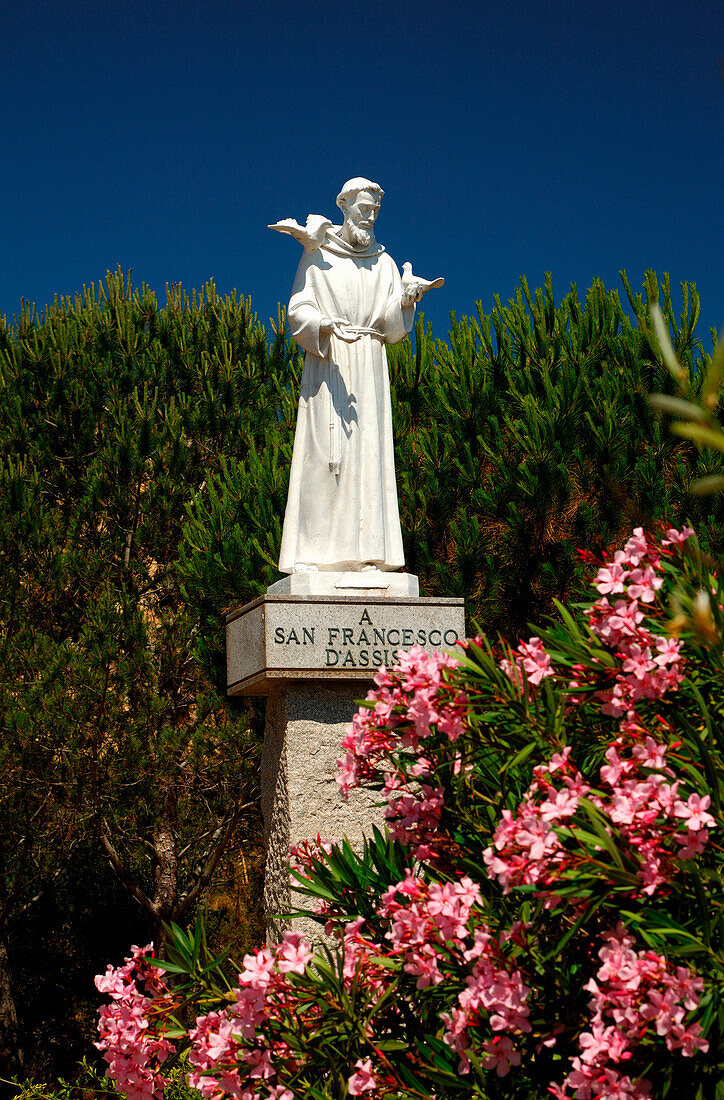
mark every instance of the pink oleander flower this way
{"type": "Point", "coordinates": [675, 538]}
{"type": "Point", "coordinates": [694, 812]}
{"type": "Point", "coordinates": [637, 548]}
{"type": "Point", "coordinates": [529, 658]}
{"type": "Point", "coordinates": [293, 954]}
{"type": "Point", "coordinates": [643, 584]}
{"type": "Point", "coordinates": [501, 1054]}
{"type": "Point", "coordinates": [258, 969]}
{"type": "Point", "coordinates": [609, 579]}
{"type": "Point", "coordinates": [617, 626]}
{"type": "Point", "coordinates": [432, 923]}
{"type": "Point", "coordinates": [362, 1079]}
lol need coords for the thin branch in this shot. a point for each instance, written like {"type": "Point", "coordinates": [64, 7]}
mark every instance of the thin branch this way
{"type": "Point", "coordinates": [132, 532]}
{"type": "Point", "coordinates": [33, 901]}
{"type": "Point", "coordinates": [197, 840]}
{"type": "Point", "coordinates": [215, 851]}
{"type": "Point", "coordinates": [124, 874]}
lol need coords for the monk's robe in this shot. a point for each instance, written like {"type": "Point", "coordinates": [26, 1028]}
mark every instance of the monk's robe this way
{"type": "Point", "coordinates": [342, 509]}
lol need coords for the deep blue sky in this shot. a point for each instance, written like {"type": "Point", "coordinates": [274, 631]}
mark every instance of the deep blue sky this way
{"type": "Point", "coordinates": [511, 138]}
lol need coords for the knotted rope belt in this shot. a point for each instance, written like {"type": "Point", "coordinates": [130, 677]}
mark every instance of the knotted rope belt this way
{"type": "Point", "coordinates": [335, 393]}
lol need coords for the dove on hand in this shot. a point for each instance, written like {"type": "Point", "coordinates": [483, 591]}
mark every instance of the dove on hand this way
{"type": "Point", "coordinates": [310, 235]}
{"type": "Point", "coordinates": [414, 287]}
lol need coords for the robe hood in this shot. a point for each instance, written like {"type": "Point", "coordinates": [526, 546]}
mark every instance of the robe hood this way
{"type": "Point", "coordinates": [334, 243]}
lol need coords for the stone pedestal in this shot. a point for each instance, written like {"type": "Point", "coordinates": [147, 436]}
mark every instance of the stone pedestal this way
{"type": "Point", "coordinates": [305, 724]}
{"type": "Point", "coordinates": [314, 654]}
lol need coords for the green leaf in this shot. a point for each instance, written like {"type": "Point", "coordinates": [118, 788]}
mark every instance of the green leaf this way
{"type": "Point", "coordinates": [171, 967]}
{"type": "Point", "coordinates": [707, 437]}
{"type": "Point", "coordinates": [599, 825]}
{"type": "Point", "coordinates": [705, 485]}
{"type": "Point", "coordinates": [675, 406]}
{"type": "Point", "coordinates": [586, 916]}
{"type": "Point", "coordinates": [520, 757]}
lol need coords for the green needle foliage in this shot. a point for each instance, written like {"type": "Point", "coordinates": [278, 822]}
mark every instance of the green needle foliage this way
{"type": "Point", "coordinates": [144, 458]}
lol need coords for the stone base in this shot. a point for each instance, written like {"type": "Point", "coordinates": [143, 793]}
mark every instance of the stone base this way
{"type": "Point", "coordinates": [305, 725]}
{"type": "Point", "coordinates": [314, 655]}
{"type": "Point", "coordinates": [372, 582]}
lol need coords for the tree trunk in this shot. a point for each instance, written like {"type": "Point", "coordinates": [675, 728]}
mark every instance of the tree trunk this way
{"type": "Point", "coordinates": [11, 1056]}
{"type": "Point", "coordinates": [165, 893]}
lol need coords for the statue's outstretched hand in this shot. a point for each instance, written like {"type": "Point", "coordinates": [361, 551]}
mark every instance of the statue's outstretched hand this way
{"type": "Point", "coordinates": [414, 287]}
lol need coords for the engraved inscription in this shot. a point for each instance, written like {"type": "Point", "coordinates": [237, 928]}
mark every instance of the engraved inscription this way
{"type": "Point", "coordinates": [365, 642]}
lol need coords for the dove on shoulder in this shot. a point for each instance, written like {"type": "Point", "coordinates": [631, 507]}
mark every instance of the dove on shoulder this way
{"type": "Point", "coordinates": [310, 235]}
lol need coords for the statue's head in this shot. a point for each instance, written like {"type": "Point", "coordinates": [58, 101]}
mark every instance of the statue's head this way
{"type": "Point", "coordinates": [359, 200]}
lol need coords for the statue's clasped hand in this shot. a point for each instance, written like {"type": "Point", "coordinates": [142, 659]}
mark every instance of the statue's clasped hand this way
{"type": "Point", "coordinates": [333, 326]}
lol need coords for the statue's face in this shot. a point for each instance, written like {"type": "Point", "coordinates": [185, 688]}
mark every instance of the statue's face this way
{"type": "Point", "coordinates": [364, 210]}
{"type": "Point", "coordinates": [360, 215]}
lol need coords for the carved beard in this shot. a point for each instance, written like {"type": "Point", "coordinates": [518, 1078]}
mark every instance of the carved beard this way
{"type": "Point", "coordinates": [360, 237]}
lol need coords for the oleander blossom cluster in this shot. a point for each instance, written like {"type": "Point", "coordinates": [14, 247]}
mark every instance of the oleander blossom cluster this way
{"type": "Point", "coordinates": [528, 848]}
{"type": "Point", "coordinates": [436, 926]}
{"type": "Point", "coordinates": [633, 995]}
{"type": "Point", "coordinates": [530, 664]}
{"type": "Point", "coordinates": [659, 824]}
{"type": "Point", "coordinates": [650, 664]}
{"type": "Point", "coordinates": [362, 957]}
{"type": "Point", "coordinates": [304, 856]}
{"type": "Point", "coordinates": [132, 1047]}
{"type": "Point", "coordinates": [230, 1052]}
{"type": "Point", "coordinates": [408, 704]}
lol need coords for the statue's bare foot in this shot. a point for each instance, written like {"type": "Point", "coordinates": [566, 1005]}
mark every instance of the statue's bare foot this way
{"type": "Point", "coordinates": [368, 567]}
{"type": "Point", "coordinates": [303, 567]}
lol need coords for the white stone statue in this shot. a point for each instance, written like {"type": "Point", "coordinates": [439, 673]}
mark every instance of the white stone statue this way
{"type": "Point", "coordinates": [347, 302]}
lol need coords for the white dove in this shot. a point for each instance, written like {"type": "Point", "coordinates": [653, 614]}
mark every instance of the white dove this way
{"type": "Point", "coordinates": [414, 286]}
{"type": "Point", "coordinates": [311, 235]}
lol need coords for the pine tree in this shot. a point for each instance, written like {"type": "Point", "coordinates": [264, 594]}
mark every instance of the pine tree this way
{"type": "Point", "coordinates": [113, 416]}
{"type": "Point", "coordinates": [528, 433]}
